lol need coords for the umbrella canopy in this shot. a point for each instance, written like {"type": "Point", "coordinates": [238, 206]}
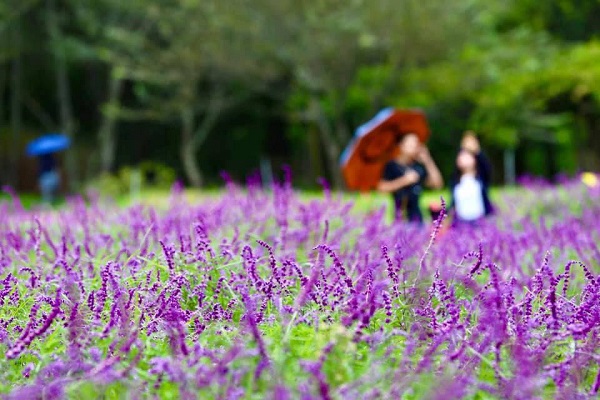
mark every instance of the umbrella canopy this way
{"type": "Point", "coordinates": [47, 144]}
{"type": "Point", "coordinates": [375, 143]}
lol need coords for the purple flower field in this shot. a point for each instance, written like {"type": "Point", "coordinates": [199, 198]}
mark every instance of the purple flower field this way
{"type": "Point", "coordinates": [253, 295]}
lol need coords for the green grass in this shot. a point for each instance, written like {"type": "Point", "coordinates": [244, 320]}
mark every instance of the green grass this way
{"type": "Point", "coordinates": [364, 201]}
{"type": "Point", "coordinates": [28, 200]}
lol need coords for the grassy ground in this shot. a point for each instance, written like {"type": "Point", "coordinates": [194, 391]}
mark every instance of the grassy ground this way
{"type": "Point", "coordinates": [364, 201]}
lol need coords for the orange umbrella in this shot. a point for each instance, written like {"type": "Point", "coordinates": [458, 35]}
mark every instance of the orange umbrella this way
{"type": "Point", "coordinates": [375, 143]}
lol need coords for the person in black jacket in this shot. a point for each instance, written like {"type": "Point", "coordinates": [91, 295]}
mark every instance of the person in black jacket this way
{"type": "Point", "coordinates": [407, 175]}
{"type": "Point", "coordinates": [471, 181]}
{"type": "Point", "coordinates": [49, 179]}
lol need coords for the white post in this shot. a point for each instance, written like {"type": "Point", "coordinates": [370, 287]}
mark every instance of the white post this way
{"type": "Point", "coordinates": [509, 166]}
{"type": "Point", "coordinates": [135, 183]}
{"type": "Point", "coordinates": [266, 172]}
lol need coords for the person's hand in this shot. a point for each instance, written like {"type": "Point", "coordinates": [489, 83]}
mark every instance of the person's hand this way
{"type": "Point", "coordinates": [411, 177]}
{"type": "Point", "coordinates": [424, 155]}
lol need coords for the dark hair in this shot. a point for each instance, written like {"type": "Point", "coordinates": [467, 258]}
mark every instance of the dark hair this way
{"type": "Point", "coordinates": [400, 138]}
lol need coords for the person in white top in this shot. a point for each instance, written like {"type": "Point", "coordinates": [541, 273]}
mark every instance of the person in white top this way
{"type": "Point", "coordinates": [468, 191]}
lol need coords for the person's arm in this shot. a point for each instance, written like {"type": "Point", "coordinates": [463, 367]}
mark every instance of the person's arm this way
{"type": "Point", "coordinates": [434, 178]}
{"type": "Point", "coordinates": [409, 178]}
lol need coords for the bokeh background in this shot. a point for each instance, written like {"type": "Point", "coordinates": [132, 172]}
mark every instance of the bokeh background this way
{"type": "Point", "coordinates": [185, 89]}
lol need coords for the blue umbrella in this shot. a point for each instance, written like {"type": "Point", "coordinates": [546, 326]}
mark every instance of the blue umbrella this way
{"type": "Point", "coordinates": [47, 144]}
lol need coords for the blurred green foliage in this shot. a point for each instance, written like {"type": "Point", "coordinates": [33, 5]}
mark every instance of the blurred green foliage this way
{"type": "Point", "coordinates": [147, 175]}
{"type": "Point", "coordinates": [207, 86]}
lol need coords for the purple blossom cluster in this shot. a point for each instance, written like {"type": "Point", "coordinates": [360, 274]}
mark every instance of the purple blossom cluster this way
{"type": "Point", "coordinates": [269, 294]}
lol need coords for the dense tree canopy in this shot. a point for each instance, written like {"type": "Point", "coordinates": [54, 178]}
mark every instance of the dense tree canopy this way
{"type": "Point", "coordinates": [205, 86]}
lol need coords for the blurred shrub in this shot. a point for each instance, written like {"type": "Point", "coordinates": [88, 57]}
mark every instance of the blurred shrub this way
{"type": "Point", "coordinates": [151, 175]}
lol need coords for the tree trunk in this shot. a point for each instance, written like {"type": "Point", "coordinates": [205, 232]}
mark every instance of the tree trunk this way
{"type": "Point", "coordinates": [332, 153]}
{"type": "Point", "coordinates": [589, 143]}
{"type": "Point", "coordinates": [63, 93]}
{"type": "Point", "coordinates": [188, 149]}
{"type": "Point", "coordinates": [15, 109]}
{"type": "Point", "coordinates": [314, 152]}
{"type": "Point", "coordinates": [107, 135]}
{"type": "Point", "coordinates": [192, 138]}
{"type": "Point", "coordinates": [207, 125]}
{"type": "Point", "coordinates": [3, 155]}
{"type": "Point", "coordinates": [332, 148]}
{"type": "Point", "coordinates": [594, 147]}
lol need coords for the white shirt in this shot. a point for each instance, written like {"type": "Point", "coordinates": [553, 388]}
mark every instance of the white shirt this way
{"type": "Point", "coordinates": [468, 199]}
